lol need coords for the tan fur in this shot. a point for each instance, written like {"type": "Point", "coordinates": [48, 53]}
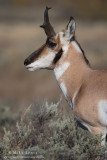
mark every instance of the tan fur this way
{"type": "Point", "coordinates": [84, 87]}
{"type": "Point", "coordinates": [80, 78]}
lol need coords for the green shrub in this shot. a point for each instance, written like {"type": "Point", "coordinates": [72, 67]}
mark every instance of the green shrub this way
{"type": "Point", "coordinates": [50, 134]}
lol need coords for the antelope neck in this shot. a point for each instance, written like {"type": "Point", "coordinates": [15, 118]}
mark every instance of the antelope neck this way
{"type": "Point", "coordinates": [71, 71]}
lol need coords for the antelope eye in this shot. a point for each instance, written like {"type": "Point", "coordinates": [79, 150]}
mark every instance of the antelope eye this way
{"type": "Point", "coordinates": [52, 45]}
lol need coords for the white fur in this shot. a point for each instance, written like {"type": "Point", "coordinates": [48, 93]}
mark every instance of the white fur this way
{"type": "Point", "coordinates": [70, 30]}
{"type": "Point", "coordinates": [103, 112]}
{"type": "Point", "coordinates": [104, 137]}
{"type": "Point", "coordinates": [85, 125]}
{"type": "Point", "coordinates": [73, 100]}
{"type": "Point", "coordinates": [59, 71]}
{"type": "Point", "coordinates": [43, 62]}
{"type": "Point", "coordinates": [62, 39]}
{"type": "Point", "coordinates": [76, 46]}
{"type": "Point", "coordinates": [64, 42]}
{"type": "Point", "coordinates": [64, 89]}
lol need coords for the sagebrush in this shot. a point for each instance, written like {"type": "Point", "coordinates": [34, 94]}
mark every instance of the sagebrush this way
{"type": "Point", "coordinates": [50, 134]}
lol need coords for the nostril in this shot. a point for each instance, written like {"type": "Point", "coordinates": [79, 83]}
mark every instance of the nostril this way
{"type": "Point", "coordinates": [26, 62]}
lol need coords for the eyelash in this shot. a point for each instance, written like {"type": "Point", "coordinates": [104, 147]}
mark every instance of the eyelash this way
{"type": "Point", "coordinates": [52, 45]}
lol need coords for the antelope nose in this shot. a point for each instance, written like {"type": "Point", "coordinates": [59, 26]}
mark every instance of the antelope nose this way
{"type": "Point", "coordinates": [26, 62]}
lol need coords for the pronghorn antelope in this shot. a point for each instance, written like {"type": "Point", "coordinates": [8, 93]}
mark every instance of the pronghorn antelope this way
{"type": "Point", "coordinates": [84, 89]}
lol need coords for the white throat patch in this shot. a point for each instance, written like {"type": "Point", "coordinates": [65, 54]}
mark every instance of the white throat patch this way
{"type": "Point", "coordinates": [59, 71]}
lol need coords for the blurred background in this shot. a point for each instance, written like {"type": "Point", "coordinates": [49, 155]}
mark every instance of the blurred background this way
{"type": "Point", "coordinates": [20, 35]}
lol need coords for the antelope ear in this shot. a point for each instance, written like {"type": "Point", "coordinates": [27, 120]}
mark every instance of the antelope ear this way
{"type": "Point", "coordinates": [70, 29]}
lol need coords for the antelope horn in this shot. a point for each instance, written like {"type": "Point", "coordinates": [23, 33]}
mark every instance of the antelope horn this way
{"type": "Point", "coordinates": [47, 26]}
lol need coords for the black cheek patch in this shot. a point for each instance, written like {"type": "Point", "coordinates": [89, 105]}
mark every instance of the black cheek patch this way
{"type": "Point", "coordinates": [58, 56]}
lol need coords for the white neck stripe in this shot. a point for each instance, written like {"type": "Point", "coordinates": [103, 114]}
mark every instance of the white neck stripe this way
{"type": "Point", "coordinates": [76, 46]}
{"type": "Point", "coordinates": [59, 71]}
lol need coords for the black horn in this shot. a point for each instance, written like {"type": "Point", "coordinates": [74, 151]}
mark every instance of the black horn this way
{"type": "Point", "coordinates": [47, 26]}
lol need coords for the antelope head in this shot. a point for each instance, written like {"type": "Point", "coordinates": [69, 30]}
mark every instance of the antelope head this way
{"type": "Point", "coordinates": [47, 56]}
